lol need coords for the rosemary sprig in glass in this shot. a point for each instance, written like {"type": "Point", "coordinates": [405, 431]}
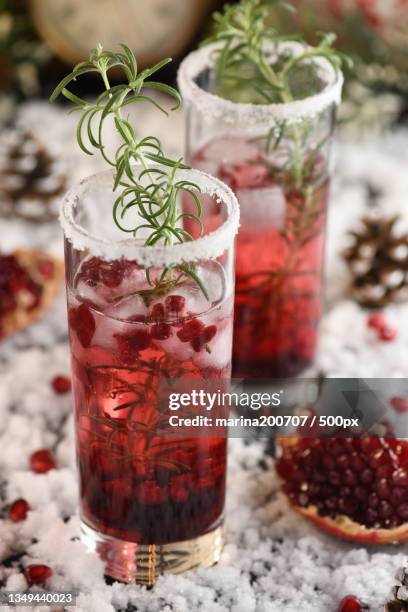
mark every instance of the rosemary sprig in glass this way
{"type": "Point", "coordinates": [155, 190]}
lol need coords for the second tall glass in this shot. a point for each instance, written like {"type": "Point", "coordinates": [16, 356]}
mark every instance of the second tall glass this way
{"type": "Point", "coordinates": [276, 159]}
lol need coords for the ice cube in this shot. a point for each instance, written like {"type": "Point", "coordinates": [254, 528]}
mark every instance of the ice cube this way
{"type": "Point", "coordinates": [262, 207]}
{"type": "Point", "coordinates": [127, 309]}
{"type": "Point", "coordinates": [228, 149]}
{"type": "Point", "coordinates": [93, 294]}
{"type": "Point", "coordinates": [220, 350]}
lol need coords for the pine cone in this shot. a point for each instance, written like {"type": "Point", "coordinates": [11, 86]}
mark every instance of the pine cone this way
{"type": "Point", "coordinates": [378, 261]}
{"type": "Point", "coordinates": [400, 593]}
{"type": "Point", "coordinates": [31, 183]}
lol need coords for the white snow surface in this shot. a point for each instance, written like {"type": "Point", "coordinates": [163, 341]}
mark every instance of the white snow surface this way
{"type": "Point", "coordinates": [273, 560]}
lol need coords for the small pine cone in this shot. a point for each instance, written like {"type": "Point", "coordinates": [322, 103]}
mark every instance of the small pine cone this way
{"type": "Point", "coordinates": [399, 593]}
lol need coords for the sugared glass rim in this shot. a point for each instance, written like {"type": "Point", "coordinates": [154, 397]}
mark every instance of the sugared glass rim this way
{"type": "Point", "coordinates": [209, 246]}
{"type": "Point", "coordinates": [230, 112]}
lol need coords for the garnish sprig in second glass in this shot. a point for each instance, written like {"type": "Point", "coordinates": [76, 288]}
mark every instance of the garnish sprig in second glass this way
{"type": "Point", "coordinates": [254, 63]}
{"type": "Point", "coordinates": [155, 190]}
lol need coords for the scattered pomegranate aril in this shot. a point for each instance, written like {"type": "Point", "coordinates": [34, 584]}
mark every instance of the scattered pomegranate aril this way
{"type": "Point", "coordinates": [37, 574]}
{"type": "Point", "coordinates": [388, 334]}
{"type": "Point", "coordinates": [364, 498]}
{"type": "Point", "coordinates": [350, 603]}
{"type": "Point", "coordinates": [42, 461]}
{"type": "Point", "coordinates": [376, 321]}
{"type": "Point", "coordinates": [161, 331]}
{"type": "Point", "coordinates": [400, 404]}
{"type": "Point", "coordinates": [82, 322]}
{"type": "Point", "coordinates": [61, 384]}
{"type": "Point", "coordinates": [18, 510]}
{"type": "Point", "coordinates": [175, 303]}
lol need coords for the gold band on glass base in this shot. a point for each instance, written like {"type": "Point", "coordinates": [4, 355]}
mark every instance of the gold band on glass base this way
{"type": "Point", "coordinates": [143, 563]}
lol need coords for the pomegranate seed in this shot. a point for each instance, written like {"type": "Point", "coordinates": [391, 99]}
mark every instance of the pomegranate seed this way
{"type": "Point", "coordinates": [82, 321]}
{"type": "Point", "coordinates": [18, 510]}
{"type": "Point", "coordinates": [190, 330]}
{"type": "Point", "coordinates": [388, 334]}
{"type": "Point", "coordinates": [130, 344]}
{"type": "Point", "coordinates": [37, 574]}
{"type": "Point", "coordinates": [175, 303]}
{"type": "Point", "coordinates": [370, 486]}
{"type": "Point", "coordinates": [204, 338]}
{"type": "Point", "coordinates": [376, 321]}
{"type": "Point", "coordinates": [157, 312]}
{"type": "Point", "coordinates": [350, 604]}
{"type": "Point", "coordinates": [400, 477]}
{"type": "Point", "coordinates": [161, 331]}
{"type": "Point", "coordinates": [61, 385]}
{"type": "Point", "coordinates": [149, 492]}
{"type": "Point", "coordinates": [400, 404]}
{"type": "Point", "coordinates": [42, 461]}
{"type": "Point", "coordinates": [46, 268]}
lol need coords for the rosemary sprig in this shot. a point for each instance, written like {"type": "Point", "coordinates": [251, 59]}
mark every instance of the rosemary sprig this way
{"type": "Point", "coordinates": [243, 59]}
{"type": "Point", "coordinates": [155, 190]}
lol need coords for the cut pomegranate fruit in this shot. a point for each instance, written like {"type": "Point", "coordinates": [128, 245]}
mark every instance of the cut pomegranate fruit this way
{"type": "Point", "coordinates": [175, 303]}
{"type": "Point", "coordinates": [61, 385]}
{"type": "Point", "coordinates": [42, 461]}
{"type": "Point", "coordinates": [18, 510]}
{"type": "Point", "coordinates": [82, 322]}
{"type": "Point", "coordinates": [37, 574]}
{"type": "Point", "coordinates": [350, 603]}
{"type": "Point", "coordinates": [29, 281]}
{"type": "Point", "coordinates": [356, 489]}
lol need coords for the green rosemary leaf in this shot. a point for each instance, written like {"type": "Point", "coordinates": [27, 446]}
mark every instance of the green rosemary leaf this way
{"type": "Point", "coordinates": [131, 59]}
{"type": "Point", "coordinates": [141, 98]}
{"type": "Point", "coordinates": [166, 89]}
{"type": "Point", "coordinates": [166, 161]}
{"type": "Point", "coordinates": [190, 272]}
{"type": "Point", "coordinates": [153, 190]}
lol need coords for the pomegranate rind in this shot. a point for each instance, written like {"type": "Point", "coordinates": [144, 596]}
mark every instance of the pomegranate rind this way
{"type": "Point", "coordinates": [30, 260]}
{"type": "Point", "coordinates": [343, 526]}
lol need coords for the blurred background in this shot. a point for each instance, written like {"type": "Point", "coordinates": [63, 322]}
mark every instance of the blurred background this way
{"type": "Point", "coordinates": [41, 40]}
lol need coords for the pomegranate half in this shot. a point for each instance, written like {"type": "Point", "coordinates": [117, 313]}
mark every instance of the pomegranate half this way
{"type": "Point", "coordinates": [354, 488]}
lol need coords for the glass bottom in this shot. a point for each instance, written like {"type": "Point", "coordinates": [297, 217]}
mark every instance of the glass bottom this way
{"type": "Point", "coordinates": [143, 563]}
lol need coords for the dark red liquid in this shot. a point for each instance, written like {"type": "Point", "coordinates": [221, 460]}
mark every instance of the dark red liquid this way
{"type": "Point", "coordinates": [134, 485]}
{"type": "Point", "coordinates": [280, 253]}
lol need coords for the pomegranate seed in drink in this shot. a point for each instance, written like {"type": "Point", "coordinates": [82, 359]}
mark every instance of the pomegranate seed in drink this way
{"type": "Point", "coordinates": [175, 303]}
{"type": "Point", "coordinates": [191, 330]}
{"type": "Point", "coordinates": [82, 322]}
{"type": "Point", "coordinates": [42, 461]}
{"type": "Point", "coordinates": [18, 510]}
{"type": "Point", "coordinates": [61, 385]}
{"type": "Point", "coordinates": [37, 574]}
